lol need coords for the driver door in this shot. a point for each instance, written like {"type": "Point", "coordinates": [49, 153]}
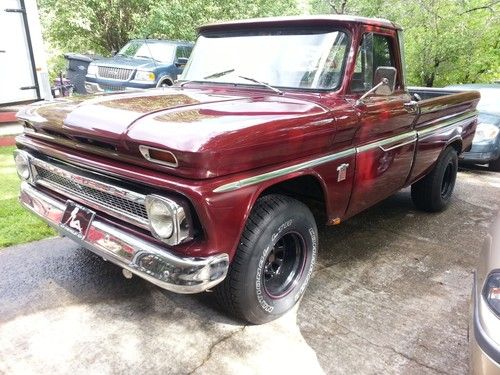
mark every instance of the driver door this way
{"type": "Point", "coordinates": [385, 140]}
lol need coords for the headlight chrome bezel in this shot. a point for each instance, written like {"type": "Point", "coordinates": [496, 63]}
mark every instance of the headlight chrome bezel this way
{"type": "Point", "coordinates": [181, 223]}
{"type": "Point", "coordinates": [23, 166]}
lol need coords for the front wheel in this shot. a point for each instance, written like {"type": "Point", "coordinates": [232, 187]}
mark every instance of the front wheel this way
{"type": "Point", "coordinates": [433, 192]}
{"type": "Point", "coordinates": [273, 262]}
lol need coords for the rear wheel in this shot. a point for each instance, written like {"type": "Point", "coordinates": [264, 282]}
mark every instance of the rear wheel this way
{"type": "Point", "coordinates": [273, 262]}
{"type": "Point", "coordinates": [433, 192]}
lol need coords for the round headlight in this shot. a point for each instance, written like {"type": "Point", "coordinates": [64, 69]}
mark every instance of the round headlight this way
{"type": "Point", "coordinates": [22, 165]}
{"type": "Point", "coordinates": [160, 218]}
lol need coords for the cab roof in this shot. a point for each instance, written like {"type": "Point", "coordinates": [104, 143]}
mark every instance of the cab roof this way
{"type": "Point", "coordinates": [297, 21]}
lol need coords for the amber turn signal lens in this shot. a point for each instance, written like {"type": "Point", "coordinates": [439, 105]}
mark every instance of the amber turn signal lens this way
{"type": "Point", "coordinates": [159, 156]}
{"type": "Point", "coordinates": [165, 156]}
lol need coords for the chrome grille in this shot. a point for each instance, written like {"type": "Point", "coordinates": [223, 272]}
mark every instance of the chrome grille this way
{"type": "Point", "coordinates": [114, 73]}
{"type": "Point", "coordinates": [121, 203]}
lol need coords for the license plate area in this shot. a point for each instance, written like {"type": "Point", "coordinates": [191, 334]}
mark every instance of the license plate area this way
{"type": "Point", "coordinates": [77, 219]}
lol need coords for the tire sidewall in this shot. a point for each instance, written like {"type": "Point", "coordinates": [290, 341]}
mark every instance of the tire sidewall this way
{"type": "Point", "coordinates": [450, 156]}
{"type": "Point", "coordinates": [258, 303]}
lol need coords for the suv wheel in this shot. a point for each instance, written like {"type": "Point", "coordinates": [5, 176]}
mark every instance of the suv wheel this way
{"type": "Point", "coordinates": [273, 262]}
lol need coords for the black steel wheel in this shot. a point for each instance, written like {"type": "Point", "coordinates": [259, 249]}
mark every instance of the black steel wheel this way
{"type": "Point", "coordinates": [448, 181]}
{"type": "Point", "coordinates": [284, 265]}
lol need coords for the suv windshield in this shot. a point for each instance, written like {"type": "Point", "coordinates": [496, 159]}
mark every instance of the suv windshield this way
{"type": "Point", "coordinates": [162, 52]}
{"type": "Point", "coordinates": [311, 60]}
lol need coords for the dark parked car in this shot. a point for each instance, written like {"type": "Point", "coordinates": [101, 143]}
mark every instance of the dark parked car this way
{"type": "Point", "coordinates": [486, 144]}
{"type": "Point", "coordinates": [142, 64]}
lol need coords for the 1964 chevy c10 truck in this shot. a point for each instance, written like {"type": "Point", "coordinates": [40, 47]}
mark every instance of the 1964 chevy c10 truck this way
{"type": "Point", "coordinates": [207, 184]}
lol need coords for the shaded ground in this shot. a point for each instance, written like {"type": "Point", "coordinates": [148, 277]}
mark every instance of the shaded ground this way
{"type": "Point", "coordinates": [390, 294]}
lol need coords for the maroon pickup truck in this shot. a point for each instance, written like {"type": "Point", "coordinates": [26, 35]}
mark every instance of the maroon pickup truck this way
{"type": "Point", "coordinates": [209, 184]}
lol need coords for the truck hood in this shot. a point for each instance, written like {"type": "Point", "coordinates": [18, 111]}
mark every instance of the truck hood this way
{"type": "Point", "coordinates": [210, 134]}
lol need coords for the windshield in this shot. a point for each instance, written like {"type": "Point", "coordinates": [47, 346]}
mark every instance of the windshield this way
{"type": "Point", "coordinates": [311, 60]}
{"type": "Point", "coordinates": [162, 52]}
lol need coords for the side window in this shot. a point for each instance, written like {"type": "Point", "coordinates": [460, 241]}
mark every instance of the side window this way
{"type": "Point", "coordinates": [179, 52]}
{"type": "Point", "coordinates": [375, 50]}
{"type": "Point", "coordinates": [183, 51]}
{"type": "Point", "coordinates": [382, 52]}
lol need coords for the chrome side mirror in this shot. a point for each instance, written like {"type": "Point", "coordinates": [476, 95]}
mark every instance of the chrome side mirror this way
{"type": "Point", "coordinates": [388, 75]}
{"type": "Point", "coordinates": [386, 78]}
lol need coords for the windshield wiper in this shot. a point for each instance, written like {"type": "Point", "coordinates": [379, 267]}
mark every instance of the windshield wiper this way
{"type": "Point", "coordinates": [219, 74]}
{"type": "Point", "coordinates": [214, 75]}
{"type": "Point", "coordinates": [279, 92]}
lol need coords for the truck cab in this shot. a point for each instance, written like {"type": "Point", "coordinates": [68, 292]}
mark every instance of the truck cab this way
{"type": "Point", "coordinates": [140, 64]}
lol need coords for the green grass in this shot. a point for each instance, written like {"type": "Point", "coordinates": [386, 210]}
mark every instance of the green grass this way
{"type": "Point", "coordinates": [17, 225]}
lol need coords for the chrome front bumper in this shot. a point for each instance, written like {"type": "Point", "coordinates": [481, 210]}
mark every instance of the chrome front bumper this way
{"type": "Point", "coordinates": [147, 260]}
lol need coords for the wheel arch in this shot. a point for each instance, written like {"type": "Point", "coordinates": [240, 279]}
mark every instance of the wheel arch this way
{"type": "Point", "coordinates": [455, 142]}
{"type": "Point", "coordinates": [165, 78]}
{"type": "Point", "coordinates": [307, 187]}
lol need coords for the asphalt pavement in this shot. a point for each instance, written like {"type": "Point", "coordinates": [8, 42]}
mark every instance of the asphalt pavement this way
{"type": "Point", "coordinates": [390, 294]}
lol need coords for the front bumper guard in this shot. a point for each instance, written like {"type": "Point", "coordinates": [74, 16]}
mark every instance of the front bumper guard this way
{"type": "Point", "coordinates": [148, 261]}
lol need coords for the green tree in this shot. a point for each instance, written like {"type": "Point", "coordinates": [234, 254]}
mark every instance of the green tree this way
{"type": "Point", "coordinates": [91, 25]}
{"type": "Point", "coordinates": [446, 41]}
{"type": "Point", "coordinates": [178, 19]}
{"type": "Point", "coordinates": [101, 26]}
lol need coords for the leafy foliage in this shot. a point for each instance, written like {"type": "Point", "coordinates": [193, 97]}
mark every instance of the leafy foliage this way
{"type": "Point", "coordinates": [101, 26]}
{"type": "Point", "coordinates": [446, 41]}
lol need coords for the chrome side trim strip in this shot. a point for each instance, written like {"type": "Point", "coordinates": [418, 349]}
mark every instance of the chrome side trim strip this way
{"type": "Point", "coordinates": [283, 171]}
{"type": "Point", "coordinates": [414, 135]}
{"type": "Point", "coordinates": [383, 142]}
{"type": "Point", "coordinates": [398, 145]}
{"type": "Point", "coordinates": [452, 121]}
{"type": "Point", "coordinates": [322, 122]}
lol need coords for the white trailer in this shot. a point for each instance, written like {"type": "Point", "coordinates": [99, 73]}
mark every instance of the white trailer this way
{"type": "Point", "coordinates": [23, 65]}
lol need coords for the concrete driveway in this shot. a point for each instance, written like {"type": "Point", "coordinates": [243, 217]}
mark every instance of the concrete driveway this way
{"type": "Point", "coordinates": [389, 295]}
